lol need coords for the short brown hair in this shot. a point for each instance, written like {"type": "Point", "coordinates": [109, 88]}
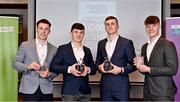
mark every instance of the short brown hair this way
{"type": "Point", "coordinates": [78, 26]}
{"type": "Point", "coordinates": [44, 21]}
{"type": "Point", "coordinates": [152, 20]}
{"type": "Point", "coordinates": [111, 17]}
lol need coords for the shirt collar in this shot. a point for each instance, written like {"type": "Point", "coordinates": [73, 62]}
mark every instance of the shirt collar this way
{"type": "Point", "coordinates": [154, 40]}
{"type": "Point", "coordinates": [114, 39]}
{"type": "Point", "coordinates": [38, 43]}
{"type": "Point", "coordinates": [73, 46]}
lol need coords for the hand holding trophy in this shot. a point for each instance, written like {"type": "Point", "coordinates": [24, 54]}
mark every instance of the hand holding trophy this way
{"type": "Point", "coordinates": [80, 67]}
{"type": "Point", "coordinates": [139, 60]}
{"type": "Point", "coordinates": [44, 71]}
{"type": "Point", "coordinates": [43, 67]}
{"type": "Point", "coordinates": [107, 64]}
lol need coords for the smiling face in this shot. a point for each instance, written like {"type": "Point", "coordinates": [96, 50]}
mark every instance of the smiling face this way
{"type": "Point", "coordinates": [77, 35]}
{"type": "Point", "coordinates": [152, 26]}
{"type": "Point", "coordinates": [111, 26]}
{"type": "Point", "coordinates": [77, 32]}
{"type": "Point", "coordinates": [152, 30]}
{"type": "Point", "coordinates": [43, 30]}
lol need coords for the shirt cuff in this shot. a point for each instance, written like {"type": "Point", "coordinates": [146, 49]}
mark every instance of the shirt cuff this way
{"type": "Point", "coordinates": [68, 71]}
{"type": "Point", "coordinates": [122, 69]}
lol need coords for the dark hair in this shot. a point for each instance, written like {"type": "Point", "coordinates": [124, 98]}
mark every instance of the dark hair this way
{"type": "Point", "coordinates": [151, 20]}
{"type": "Point", "coordinates": [44, 21]}
{"type": "Point", "coordinates": [77, 26]}
{"type": "Point", "coordinates": [111, 17]}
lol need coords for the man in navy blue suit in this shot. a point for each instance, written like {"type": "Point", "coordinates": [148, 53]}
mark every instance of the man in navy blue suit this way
{"type": "Point", "coordinates": [75, 62]}
{"type": "Point", "coordinates": [119, 53]}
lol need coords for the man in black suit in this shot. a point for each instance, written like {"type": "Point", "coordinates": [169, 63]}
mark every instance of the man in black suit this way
{"type": "Point", "coordinates": [115, 61]}
{"type": "Point", "coordinates": [160, 64]}
{"type": "Point", "coordinates": [75, 62]}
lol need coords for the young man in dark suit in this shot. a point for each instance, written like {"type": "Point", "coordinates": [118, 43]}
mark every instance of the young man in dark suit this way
{"type": "Point", "coordinates": [75, 62]}
{"type": "Point", "coordinates": [115, 61]}
{"type": "Point", "coordinates": [160, 64]}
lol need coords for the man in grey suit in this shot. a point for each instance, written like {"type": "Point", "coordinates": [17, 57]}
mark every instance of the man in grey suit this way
{"type": "Point", "coordinates": [160, 64]}
{"type": "Point", "coordinates": [33, 60]}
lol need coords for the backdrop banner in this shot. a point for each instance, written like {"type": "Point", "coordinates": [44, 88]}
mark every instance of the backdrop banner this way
{"type": "Point", "coordinates": [173, 34]}
{"type": "Point", "coordinates": [9, 44]}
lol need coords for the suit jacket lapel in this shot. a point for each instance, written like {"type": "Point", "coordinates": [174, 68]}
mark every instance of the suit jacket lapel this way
{"type": "Point", "coordinates": [104, 52]}
{"type": "Point", "coordinates": [155, 48]}
{"type": "Point", "coordinates": [71, 53]}
{"type": "Point", "coordinates": [34, 50]}
{"type": "Point", "coordinates": [144, 54]}
{"type": "Point", "coordinates": [48, 52]}
{"type": "Point", "coordinates": [84, 53]}
{"type": "Point", "coordinates": [118, 44]}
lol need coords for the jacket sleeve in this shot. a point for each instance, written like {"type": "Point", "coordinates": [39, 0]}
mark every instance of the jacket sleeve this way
{"type": "Point", "coordinates": [130, 54]}
{"type": "Point", "coordinates": [18, 62]}
{"type": "Point", "coordinates": [57, 65]}
{"type": "Point", "coordinates": [53, 75]}
{"type": "Point", "coordinates": [99, 57]}
{"type": "Point", "coordinates": [91, 63]}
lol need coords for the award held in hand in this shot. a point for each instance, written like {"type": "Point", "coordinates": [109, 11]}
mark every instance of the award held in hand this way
{"type": "Point", "coordinates": [107, 65]}
{"type": "Point", "coordinates": [80, 66]}
{"type": "Point", "coordinates": [139, 58]}
{"type": "Point", "coordinates": [43, 67]}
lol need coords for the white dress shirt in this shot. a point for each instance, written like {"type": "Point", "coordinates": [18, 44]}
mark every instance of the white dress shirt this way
{"type": "Point", "coordinates": [78, 52]}
{"type": "Point", "coordinates": [151, 44]}
{"type": "Point", "coordinates": [41, 51]}
{"type": "Point", "coordinates": [110, 46]}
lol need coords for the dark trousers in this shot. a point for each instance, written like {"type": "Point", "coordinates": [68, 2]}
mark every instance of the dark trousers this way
{"type": "Point", "coordinates": [76, 97]}
{"type": "Point", "coordinates": [149, 97]}
{"type": "Point", "coordinates": [115, 95]}
{"type": "Point", "coordinates": [37, 96]}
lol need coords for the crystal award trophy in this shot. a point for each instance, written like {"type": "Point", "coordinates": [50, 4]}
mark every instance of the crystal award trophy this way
{"type": "Point", "coordinates": [107, 64]}
{"type": "Point", "coordinates": [80, 66]}
{"type": "Point", "coordinates": [43, 67]}
{"type": "Point", "coordinates": [139, 58]}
